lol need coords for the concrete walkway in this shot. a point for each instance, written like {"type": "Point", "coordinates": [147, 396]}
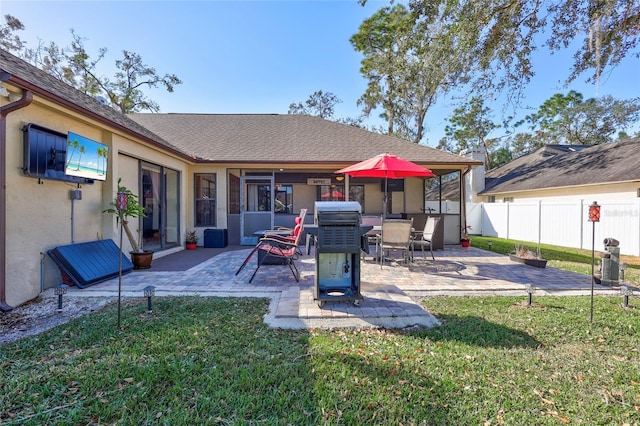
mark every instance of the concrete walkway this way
{"type": "Point", "coordinates": [389, 294]}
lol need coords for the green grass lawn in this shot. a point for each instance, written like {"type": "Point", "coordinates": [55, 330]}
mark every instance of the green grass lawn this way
{"type": "Point", "coordinates": [571, 259]}
{"type": "Point", "coordinates": [213, 361]}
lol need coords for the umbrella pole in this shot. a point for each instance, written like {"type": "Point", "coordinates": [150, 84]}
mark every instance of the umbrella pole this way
{"type": "Point", "coordinates": [384, 204]}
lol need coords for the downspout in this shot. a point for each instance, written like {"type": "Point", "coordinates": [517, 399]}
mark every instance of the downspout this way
{"type": "Point", "coordinates": [25, 100]}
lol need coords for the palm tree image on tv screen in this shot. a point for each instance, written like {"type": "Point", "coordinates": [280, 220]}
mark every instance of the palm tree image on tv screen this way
{"type": "Point", "coordinates": [86, 158]}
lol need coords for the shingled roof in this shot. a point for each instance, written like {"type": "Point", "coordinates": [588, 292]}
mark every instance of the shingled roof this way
{"type": "Point", "coordinates": [233, 138]}
{"type": "Point", "coordinates": [22, 74]}
{"type": "Point", "coordinates": [558, 166]}
{"type": "Point", "coordinates": [277, 138]}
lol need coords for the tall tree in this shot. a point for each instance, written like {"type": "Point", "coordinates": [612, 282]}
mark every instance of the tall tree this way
{"type": "Point", "coordinates": [492, 40]}
{"type": "Point", "coordinates": [74, 66]}
{"type": "Point", "coordinates": [9, 40]}
{"type": "Point", "coordinates": [404, 73]}
{"type": "Point", "coordinates": [469, 127]}
{"type": "Point", "coordinates": [569, 119]}
{"type": "Point", "coordinates": [321, 104]}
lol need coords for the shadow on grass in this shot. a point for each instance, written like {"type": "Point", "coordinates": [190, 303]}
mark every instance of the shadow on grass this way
{"type": "Point", "coordinates": [372, 380]}
{"type": "Point", "coordinates": [477, 331]}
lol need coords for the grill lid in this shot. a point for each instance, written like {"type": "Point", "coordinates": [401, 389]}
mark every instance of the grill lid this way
{"type": "Point", "coordinates": [338, 206]}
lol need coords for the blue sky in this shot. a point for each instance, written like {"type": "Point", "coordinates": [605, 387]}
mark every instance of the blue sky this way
{"type": "Point", "coordinates": [260, 56]}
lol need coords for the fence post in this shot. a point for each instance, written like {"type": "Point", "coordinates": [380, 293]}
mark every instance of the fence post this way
{"type": "Point", "coordinates": [539, 222]}
{"type": "Point", "coordinates": [637, 253]}
{"type": "Point", "coordinates": [508, 224]}
{"type": "Point", "coordinates": [581, 224]}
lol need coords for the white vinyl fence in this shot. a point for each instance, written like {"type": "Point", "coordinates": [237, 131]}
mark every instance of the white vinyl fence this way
{"type": "Point", "coordinates": [560, 223]}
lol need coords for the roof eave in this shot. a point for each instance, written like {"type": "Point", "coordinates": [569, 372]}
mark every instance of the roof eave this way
{"type": "Point", "coordinates": [26, 85]}
{"type": "Point", "coordinates": [546, 188]}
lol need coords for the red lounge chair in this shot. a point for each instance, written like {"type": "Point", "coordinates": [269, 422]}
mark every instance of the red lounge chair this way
{"type": "Point", "coordinates": [282, 247]}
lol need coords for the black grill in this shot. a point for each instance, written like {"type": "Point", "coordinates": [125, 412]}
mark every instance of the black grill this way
{"type": "Point", "coordinates": [337, 218]}
{"type": "Point", "coordinates": [338, 238]}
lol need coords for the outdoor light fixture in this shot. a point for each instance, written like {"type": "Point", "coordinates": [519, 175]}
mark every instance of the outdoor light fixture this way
{"type": "Point", "coordinates": [340, 178]}
{"type": "Point", "coordinates": [149, 292]}
{"type": "Point", "coordinates": [623, 267]}
{"type": "Point", "coordinates": [122, 200]}
{"type": "Point", "coordinates": [490, 244]}
{"type": "Point", "coordinates": [626, 292]}
{"type": "Point", "coordinates": [594, 216]}
{"type": "Point", "coordinates": [594, 212]}
{"type": "Point", "coordinates": [530, 289]}
{"type": "Point", "coordinates": [59, 290]}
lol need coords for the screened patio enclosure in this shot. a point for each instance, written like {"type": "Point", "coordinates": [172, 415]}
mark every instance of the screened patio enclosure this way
{"type": "Point", "coordinates": [259, 200]}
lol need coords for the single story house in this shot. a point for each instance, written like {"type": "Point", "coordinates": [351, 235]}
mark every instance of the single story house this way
{"type": "Point", "coordinates": [544, 196]}
{"type": "Point", "coordinates": [228, 172]}
{"type": "Point", "coordinates": [567, 171]}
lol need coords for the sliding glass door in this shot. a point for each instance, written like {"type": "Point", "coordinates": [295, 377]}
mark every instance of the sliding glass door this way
{"type": "Point", "coordinates": [160, 195]}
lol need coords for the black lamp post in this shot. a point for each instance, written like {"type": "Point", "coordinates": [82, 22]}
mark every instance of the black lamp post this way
{"type": "Point", "coordinates": [149, 292]}
{"type": "Point", "coordinates": [59, 290]}
{"type": "Point", "coordinates": [594, 216]}
{"type": "Point", "coordinates": [122, 200]}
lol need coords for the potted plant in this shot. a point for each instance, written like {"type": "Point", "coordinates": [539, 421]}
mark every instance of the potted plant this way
{"type": "Point", "coordinates": [140, 258]}
{"type": "Point", "coordinates": [191, 239]}
{"type": "Point", "coordinates": [465, 241]}
{"type": "Point", "coordinates": [522, 254]}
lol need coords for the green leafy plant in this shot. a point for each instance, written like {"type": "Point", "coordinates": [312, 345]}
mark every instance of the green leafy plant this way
{"type": "Point", "coordinates": [191, 237]}
{"type": "Point", "coordinates": [465, 232]}
{"type": "Point", "coordinates": [525, 252]}
{"type": "Point", "coordinates": [132, 210]}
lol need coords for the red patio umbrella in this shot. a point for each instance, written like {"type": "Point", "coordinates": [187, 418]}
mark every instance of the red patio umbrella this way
{"type": "Point", "coordinates": [386, 166]}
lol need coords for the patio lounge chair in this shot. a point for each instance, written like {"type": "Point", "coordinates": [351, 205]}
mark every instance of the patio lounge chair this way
{"type": "Point", "coordinates": [279, 247]}
{"type": "Point", "coordinates": [424, 238]}
{"type": "Point", "coordinates": [299, 220]}
{"type": "Point", "coordinates": [395, 235]}
{"type": "Point", "coordinates": [299, 223]}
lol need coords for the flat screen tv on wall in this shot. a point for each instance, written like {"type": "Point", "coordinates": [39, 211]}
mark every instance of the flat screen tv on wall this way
{"type": "Point", "coordinates": [45, 151]}
{"type": "Point", "coordinates": [85, 158]}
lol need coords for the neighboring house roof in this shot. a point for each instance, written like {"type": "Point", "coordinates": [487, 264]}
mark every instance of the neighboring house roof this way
{"type": "Point", "coordinates": [22, 74]}
{"type": "Point", "coordinates": [278, 138]}
{"type": "Point", "coordinates": [559, 166]}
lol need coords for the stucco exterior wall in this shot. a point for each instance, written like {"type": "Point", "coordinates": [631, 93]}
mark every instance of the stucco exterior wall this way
{"type": "Point", "coordinates": [189, 196]}
{"type": "Point", "coordinates": [414, 188]}
{"type": "Point", "coordinates": [40, 213]}
{"type": "Point", "coordinates": [373, 199]}
{"type": "Point", "coordinates": [304, 197]}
